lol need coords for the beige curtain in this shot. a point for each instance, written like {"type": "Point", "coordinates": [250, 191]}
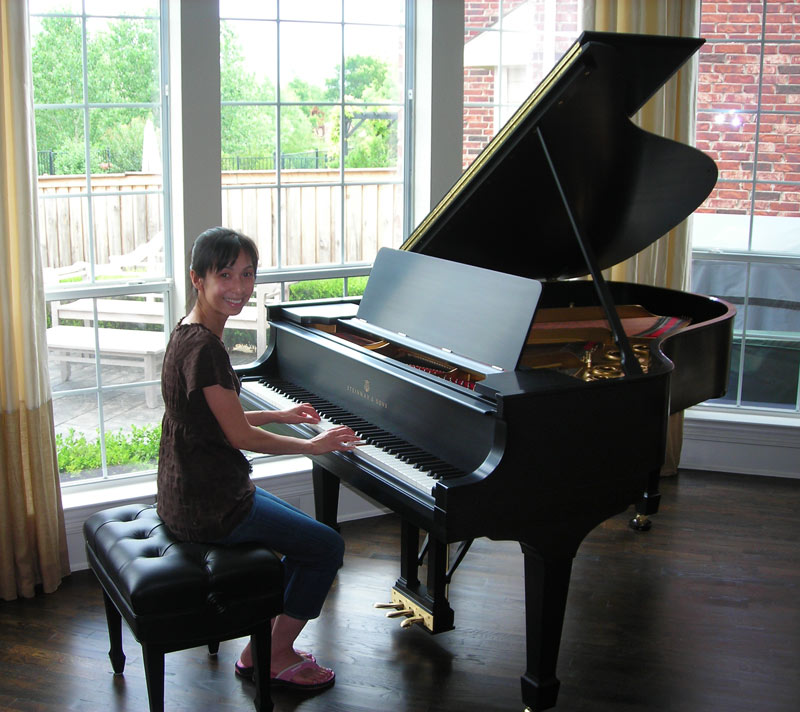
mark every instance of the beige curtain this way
{"type": "Point", "coordinates": [33, 543]}
{"type": "Point", "coordinates": [670, 113]}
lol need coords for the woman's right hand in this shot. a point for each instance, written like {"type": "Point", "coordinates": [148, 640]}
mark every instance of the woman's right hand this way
{"type": "Point", "coordinates": [338, 439]}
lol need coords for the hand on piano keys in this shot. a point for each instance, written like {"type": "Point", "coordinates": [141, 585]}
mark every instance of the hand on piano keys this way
{"type": "Point", "coordinates": [332, 437]}
{"type": "Point", "coordinates": [339, 438]}
{"type": "Point", "coordinates": [302, 413]}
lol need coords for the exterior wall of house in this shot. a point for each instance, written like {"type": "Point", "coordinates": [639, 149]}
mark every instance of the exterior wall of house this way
{"type": "Point", "coordinates": [731, 69]}
{"type": "Point", "coordinates": [480, 83]}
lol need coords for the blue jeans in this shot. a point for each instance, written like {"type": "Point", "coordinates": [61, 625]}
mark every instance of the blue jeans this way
{"type": "Point", "coordinates": [312, 551]}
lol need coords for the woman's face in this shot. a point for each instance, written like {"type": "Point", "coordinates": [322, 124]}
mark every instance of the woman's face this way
{"type": "Point", "coordinates": [228, 290]}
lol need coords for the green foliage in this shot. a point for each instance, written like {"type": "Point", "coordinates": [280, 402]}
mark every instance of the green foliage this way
{"type": "Point", "coordinates": [123, 64]}
{"type": "Point", "coordinates": [363, 77]}
{"type": "Point", "coordinates": [77, 454]}
{"type": "Point", "coordinates": [326, 288]}
{"type": "Point", "coordinates": [371, 142]}
{"type": "Point", "coordinates": [57, 64]}
{"type": "Point", "coordinates": [122, 67]}
{"type": "Point", "coordinates": [246, 130]}
{"type": "Point", "coordinates": [233, 338]}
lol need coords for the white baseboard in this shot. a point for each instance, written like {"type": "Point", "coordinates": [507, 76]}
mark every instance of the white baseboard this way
{"type": "Point", "coordinates": [743, 444]}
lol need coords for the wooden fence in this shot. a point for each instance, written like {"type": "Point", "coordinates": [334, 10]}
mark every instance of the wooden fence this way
{"type": "Point", "coordinates": [130, 214]}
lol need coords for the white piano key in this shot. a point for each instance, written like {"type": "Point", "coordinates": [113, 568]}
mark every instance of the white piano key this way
{"type": "Point", "coordinates": [419, 479]}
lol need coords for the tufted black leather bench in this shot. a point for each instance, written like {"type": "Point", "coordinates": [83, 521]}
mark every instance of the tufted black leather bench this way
{"type": "Point", "coordinates": [176, 595]}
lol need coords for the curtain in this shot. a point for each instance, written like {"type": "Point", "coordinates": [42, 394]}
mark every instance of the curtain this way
{"type": "Point", "coordinates": [33, 542]}
{"type": "Point", "coordinates": [670, 113]}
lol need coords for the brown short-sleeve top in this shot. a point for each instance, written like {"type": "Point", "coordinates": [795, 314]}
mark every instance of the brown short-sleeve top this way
{"type": "Point", "coordinates": [204, 486]}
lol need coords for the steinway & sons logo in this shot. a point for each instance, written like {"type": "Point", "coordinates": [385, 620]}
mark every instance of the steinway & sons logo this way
{"type": "Point", "coordinates": [364, 392]}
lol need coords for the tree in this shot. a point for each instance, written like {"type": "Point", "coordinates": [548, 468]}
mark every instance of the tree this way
{"type": "Point", "coordinates": [370, 136]}
{"type": "Point", "coordinates": [57, 70]}
{"type": "Point", "coordinates": [122, 67]}
{"type": "Point", "coordinates": [246, 130]}
{"type": "Point", "coordinates": [303, 125]}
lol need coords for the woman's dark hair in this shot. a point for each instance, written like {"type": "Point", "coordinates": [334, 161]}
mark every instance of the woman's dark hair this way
{"type": "Point", "coordinates": [218, 247]}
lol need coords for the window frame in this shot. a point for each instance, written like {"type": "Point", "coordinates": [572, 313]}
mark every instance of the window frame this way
{"type": "Point", "coordinates": [749, 258]}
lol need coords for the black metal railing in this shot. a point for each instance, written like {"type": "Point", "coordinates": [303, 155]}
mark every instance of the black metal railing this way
{"type": "Point", "coordinates": [300, 160]}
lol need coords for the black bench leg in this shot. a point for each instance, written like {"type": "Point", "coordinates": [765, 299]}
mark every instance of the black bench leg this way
{"type": "Point", "coordinates": [153, 657]}
{"type": "Point", "coordinates": [213, 647]}
{"type": "Point", "coordinates": [114, 622]}
{"type": "Point", "coordinates": [260, 645]}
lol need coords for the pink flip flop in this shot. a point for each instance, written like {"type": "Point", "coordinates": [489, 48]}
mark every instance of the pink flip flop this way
{"type": "Point", "coordinates": [247, 672]}
{"type": "Point", "coordinates": [285, 678]}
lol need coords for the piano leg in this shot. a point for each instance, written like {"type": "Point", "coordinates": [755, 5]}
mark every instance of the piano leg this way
{"type": "Point", "coordinates": [546, 588]}
{"type": "Point", "coordinates": [326, 496]}
{"type": "Point", "coordinates": [438, 562]}
{"type": "Point", "coordinates": [648, 504]}
{"type": "Point", "coordinates": [432, 598]}
{"type": "Point", "coordinates": [409, 556]}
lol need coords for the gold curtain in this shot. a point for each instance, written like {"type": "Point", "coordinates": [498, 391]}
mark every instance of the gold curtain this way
{"type": "Point", "coordinates": [33, 542]}
{"type": "Point", "coordinates": [670, 113]}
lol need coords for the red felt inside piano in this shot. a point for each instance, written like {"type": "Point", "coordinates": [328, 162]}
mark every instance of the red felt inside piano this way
{"type": "Point", "coordinates": [574, 340]}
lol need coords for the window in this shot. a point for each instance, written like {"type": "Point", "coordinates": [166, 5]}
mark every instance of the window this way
{"type": "Point", "coordinates": [746, 236]}
{"type": "Point", "coordinates": [746, 247]}
{"type": "Point", "coordinates": [509, 47]}
{"type": "Point", "coordinates": [99, 113]}
{"type": "Point", "coordinates": [314, 138]}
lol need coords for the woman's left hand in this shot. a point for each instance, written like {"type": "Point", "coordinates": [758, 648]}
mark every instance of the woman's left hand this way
{"type": "Point", "coordinates": [303, 413]}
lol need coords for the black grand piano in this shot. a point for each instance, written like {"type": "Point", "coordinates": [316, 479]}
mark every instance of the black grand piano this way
{"type": "Point", "coordinates": [500, 396]}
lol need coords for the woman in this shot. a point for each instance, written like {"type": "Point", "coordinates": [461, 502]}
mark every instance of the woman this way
{"type": "Point", "coordinates": [204, 489]}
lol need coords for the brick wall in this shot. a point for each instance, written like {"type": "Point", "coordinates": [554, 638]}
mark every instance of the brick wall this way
{"type": "Point", "coordinates": [479, 82]}
{"type": "Point", "coordinates": [732, 64]}
{"type": "Point", "coordinates": [480, 122]}
{"type": "Point", "coordinates": [730, 67]}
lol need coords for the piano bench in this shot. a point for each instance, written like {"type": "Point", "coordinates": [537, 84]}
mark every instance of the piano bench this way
{"type": "Point", "coordinates": [176, 595]}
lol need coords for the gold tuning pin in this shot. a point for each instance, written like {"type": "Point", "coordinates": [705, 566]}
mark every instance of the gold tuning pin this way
{"type": "Point", "coordinates": [393, 604]}
{"type": "Point", "coordinates": [408, 622]}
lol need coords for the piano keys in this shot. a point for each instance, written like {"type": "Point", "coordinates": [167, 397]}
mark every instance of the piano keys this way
{"type": "Point", "coordinates": [475, 428]}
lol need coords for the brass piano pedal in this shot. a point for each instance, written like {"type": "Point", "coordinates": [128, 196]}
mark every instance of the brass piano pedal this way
{"type": "Point", "coordinates": [404, 607]}
{"type": "Point", "coordinates": [408, 622]}
{"type": "Point", "coordinates": [394, 604]}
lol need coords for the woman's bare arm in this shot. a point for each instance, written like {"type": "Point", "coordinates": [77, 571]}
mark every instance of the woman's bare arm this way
{"type": "Point", "coordinates": [243, 434]}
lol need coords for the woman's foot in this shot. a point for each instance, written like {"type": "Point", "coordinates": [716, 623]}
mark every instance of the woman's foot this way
{"type": "Point", "coordinates": [304, 675]}
{"type": "Point", "coordinates": [246, 671]}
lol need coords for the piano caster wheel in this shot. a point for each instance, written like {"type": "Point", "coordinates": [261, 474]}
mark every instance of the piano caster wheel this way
{"type": "Point", "coordinates": [640, 523]}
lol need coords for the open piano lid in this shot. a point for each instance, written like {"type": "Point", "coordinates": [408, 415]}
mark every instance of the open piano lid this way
{"type": "Point", "coordinates": [570, 179]}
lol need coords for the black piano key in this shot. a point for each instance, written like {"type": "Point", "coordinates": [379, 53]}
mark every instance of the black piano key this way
{"type": "Point", "coordinates": [368, 432]}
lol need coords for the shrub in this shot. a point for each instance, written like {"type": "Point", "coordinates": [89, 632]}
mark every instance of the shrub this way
{"type": "Point", "coordinates": [326, 288]}
{"type": "Point", "coordinates": [76, 454]}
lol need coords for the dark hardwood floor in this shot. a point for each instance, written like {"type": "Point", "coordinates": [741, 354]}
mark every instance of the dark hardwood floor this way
{"type": "Point", "coordinates": [700, 613]}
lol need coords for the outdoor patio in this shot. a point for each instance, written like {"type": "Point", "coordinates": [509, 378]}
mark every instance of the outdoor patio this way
{"type": "Point", "coordinates": [123, 407]}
